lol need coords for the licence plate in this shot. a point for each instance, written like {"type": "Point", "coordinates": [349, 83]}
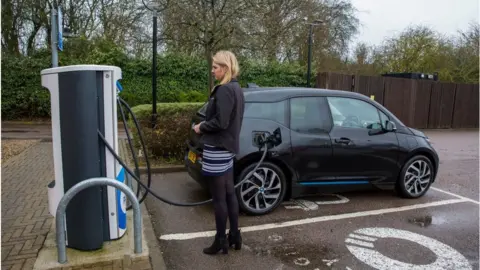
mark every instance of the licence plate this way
{"type": "Point", "coordinates": [192, 157]}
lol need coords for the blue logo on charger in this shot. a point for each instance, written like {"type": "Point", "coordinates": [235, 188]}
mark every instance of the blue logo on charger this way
{"type": "Point", "coordinates": [119, 86]}
{"type": "Point", "coordinates": [121, 202]}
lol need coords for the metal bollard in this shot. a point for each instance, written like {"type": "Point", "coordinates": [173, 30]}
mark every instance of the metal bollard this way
{"type": "Point", "coordinates": [100, 181]}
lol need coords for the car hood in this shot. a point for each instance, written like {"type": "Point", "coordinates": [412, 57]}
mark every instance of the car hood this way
{"type": "Point", "coordinates": [417, 132]}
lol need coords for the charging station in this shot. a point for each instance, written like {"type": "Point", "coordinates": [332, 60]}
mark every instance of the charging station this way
{"type": "Point", "coordinates": [83, 102]}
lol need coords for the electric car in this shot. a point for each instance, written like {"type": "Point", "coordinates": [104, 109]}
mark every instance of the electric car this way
{"type": "Point", "coordinates": [331, 141]}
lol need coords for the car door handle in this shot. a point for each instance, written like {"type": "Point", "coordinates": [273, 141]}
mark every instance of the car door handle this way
{"type": "Point", "coordinates": [343, 140]}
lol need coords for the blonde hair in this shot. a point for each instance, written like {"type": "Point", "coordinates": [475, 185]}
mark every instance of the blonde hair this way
{"type": "Point", "coordinates": [227, 60]}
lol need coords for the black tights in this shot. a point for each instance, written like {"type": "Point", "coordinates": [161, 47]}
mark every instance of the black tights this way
{"type": "Point", "coordinates": [224, 202]}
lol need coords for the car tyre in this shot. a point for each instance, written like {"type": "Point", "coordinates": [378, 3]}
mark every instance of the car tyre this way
{"type": "Point", "coordinates": [275, 178]}
{"type": "Point", "coordinates": [415, 178]}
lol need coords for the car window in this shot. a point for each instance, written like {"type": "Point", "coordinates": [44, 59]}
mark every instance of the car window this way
{"type": "Point", "coordinates": [309, 115]}
{"type": "Point", "coordinates": [274, 111]}
{"type": "Point", "coordinates": [383, 119]}
{"type": "Point", "coordinates": [353, 113]}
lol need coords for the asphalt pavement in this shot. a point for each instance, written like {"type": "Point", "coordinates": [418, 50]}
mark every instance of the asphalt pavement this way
{"type": "Point", "coordinates": [359, 230]}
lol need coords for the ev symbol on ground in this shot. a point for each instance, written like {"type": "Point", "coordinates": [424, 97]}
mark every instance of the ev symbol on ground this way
{"type": "Point", "coordinates": [361, 245]}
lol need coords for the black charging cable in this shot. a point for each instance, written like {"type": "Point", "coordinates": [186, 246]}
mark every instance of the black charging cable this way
{"type": "Point", "coordinates": [112, 151]}
{"type": "Point", "coordinates": [265, 142]}
{"type": "Point", "coordinates": [142, 142]}
{"type": "Point", "coordinates": [132, 149]}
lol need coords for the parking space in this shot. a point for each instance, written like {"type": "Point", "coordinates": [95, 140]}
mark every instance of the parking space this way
{"type": "Point", "coordinates": [359, 230]}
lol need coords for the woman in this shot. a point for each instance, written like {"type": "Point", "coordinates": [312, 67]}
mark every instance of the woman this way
{"type": "Point", "coordinates": [220, 136]}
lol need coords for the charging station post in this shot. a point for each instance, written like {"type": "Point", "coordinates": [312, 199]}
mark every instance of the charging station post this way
{"type": "Point", "coordinates": [83, 102]}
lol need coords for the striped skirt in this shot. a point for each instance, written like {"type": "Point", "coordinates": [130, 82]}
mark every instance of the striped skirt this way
{"type": "Point", "coordinates": [216, 161]}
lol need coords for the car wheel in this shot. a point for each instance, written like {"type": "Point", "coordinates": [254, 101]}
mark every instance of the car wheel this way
{"type": "Point", "coordinates": [416, 177]}
{"type": "Point", "coordinates": [263, 191]}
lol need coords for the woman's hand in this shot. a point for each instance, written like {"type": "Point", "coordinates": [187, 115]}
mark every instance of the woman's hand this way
{"type": "Point", "coordinates": [197, 128]}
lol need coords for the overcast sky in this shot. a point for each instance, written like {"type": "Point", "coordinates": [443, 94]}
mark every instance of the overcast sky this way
{"type": "Point", "coordinates": [386, 18]}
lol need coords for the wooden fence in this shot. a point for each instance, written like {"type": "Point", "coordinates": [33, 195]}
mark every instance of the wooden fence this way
{"type": "Point", "coordinates": [419, 104]}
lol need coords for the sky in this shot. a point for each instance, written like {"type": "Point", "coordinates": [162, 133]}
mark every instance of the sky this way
{"type": "Point", "coordinates": [387, 18]}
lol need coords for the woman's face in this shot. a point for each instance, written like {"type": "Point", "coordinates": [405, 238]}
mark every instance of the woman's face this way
{"type": "Point", "coordinates": [218, 71]}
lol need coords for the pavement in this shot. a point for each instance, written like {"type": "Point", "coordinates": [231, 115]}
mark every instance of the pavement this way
{"type": "Point", "coordinates": [25, 217]}
{"type": "Point", "coordinates": [362, 230]}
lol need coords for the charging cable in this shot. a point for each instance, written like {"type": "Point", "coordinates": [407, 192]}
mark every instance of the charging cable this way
{"type": "Point", "coordinates": [264, 142]}
{"type": "Point", "coordinates": [121, 102]}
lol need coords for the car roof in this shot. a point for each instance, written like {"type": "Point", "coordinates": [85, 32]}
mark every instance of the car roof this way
{"type": "Point", "coordinates": [272, 94]}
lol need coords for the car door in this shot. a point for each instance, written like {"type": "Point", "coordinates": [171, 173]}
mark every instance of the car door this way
{"type": "Point", "coordinates": [361, 150]}
{"type": "Point", "coordinates": [310, 125]}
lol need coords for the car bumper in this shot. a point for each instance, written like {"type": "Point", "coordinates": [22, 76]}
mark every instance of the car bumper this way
{"type": "Point", "coordinates": [194, 168]}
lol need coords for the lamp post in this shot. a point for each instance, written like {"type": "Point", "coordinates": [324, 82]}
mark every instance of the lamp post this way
{"type": "Point", "coordinates": [153, 6]}
{"type": "Point", "coordinates": [315, 22]}
{"type": "Point", "coordinates": [154, 69]}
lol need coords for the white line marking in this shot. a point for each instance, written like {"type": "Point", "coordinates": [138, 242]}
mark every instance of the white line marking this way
{"type": "Point", "coordinates": [361, 237]}
{"type": "Point", "coordinates": [186, 236]}
{"type": "Point", "coordinates": [359, 242]}
{"type": "Point", "coordinates": [455, 195]}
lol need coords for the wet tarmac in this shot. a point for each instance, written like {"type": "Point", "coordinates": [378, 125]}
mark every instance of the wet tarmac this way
{"type": "Point", "coordinates": [366, 230]}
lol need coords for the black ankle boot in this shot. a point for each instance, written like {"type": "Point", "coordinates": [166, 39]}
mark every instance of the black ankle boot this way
{"type": "Point", "coordinates": [220, 243]}
{"type": "Point", "coordinates": [235, 238]}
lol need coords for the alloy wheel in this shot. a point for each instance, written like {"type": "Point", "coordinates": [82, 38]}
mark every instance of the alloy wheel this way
{"type": "Point", "coordinates": [417, 177]}
{"type": "Point", "coordinates": [262, 190]}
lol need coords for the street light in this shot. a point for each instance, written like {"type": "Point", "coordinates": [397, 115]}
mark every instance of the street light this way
{"type": "Point", "coordinates": [153, 6]}
{"type": "Point", "coordinates": [312, 24]}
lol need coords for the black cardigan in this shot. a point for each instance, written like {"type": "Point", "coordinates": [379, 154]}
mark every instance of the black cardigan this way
{"type": "Point", "coordinates": [224, 116]}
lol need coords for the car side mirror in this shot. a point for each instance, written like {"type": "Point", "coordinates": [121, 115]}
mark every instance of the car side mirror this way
{"type": "Point", "coordinates": [390, 126]}
{"type": "Point", "coordinates": [375, 129]}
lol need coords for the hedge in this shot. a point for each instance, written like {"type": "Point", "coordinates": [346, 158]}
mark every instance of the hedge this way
{"type": "Point", "coordinates": [180, 78]}
{"type": "Point", "coordinates": [165, 142]}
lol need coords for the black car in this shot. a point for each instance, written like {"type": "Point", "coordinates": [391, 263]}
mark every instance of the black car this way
{"type": "Point", "coordinates": [332, 141]}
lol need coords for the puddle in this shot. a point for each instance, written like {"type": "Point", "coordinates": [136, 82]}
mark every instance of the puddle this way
{"type": "Point", "coordinates": [426, 221]}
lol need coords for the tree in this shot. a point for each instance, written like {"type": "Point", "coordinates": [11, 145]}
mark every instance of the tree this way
{"type": "Point", "coordinates": [193, 26]}
{"type": "Point", "coordinates": [466, 59]}
{"type": "Point", "coordinates": [420, 49]}
{"type": "Point", "coordinates": [266, 30]}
